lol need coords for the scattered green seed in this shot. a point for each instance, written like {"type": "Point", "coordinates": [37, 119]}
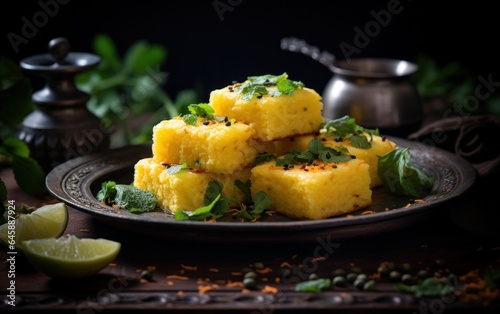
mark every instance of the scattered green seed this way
{"type": "Point", "coordinates": [249, 283]}
{"type": "Point", "coordinates": [313, 276]}
{"type": "Point", "coordinates": [351, 277]}
{"type": "Point", "coordinates": [405, 267]}
{"type": "Point", "coordinates": [383, 271]}
{"type": "Point", "coordinates": [369, 285]}
{"type": "Point", "coordinates": [250, 274]}
{"type": "Point", "coordinates": [356, 270]}
{"type": "Point", "coordinates": [258, 265]}
{"type": "Point", "coordinates": [339, 281]}
{"type": "Point", "coordinates": [423, 274]}
{"type": "Point", "coordinates": [339, 272]}
{"type": "Point", "coordinates": [359, 283]}
{"type": "Point", "coordinates": [395, 275]}
{"type": "Point", "coordinates": [362, 276]}
{"type": "Point", "coordinates": [407, 279]}
{"type": "Point", "coordinates": [147, 274]}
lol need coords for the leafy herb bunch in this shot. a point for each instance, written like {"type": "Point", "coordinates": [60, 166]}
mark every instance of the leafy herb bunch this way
{"type": "Point", "coordinates": [16, 104]}
{"type": "Point", "coordinates": [130, 89]}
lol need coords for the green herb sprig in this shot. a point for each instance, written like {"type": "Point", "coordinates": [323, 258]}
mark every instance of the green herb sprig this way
{"type": "Point", "coordinates": [216, 204]}
{"type": "Point", "coordinates": [345, 128]}
{"type": "Point", "coordinates": [257, 86]}
{"type": "Point", "coordinates": [126, 197]}
{"type": "Point", "coordinates": [202, 110]}
{"type": "Point", "coordinates": [398, 173]}
{"type": "Point", "coordinates": [16, 104]}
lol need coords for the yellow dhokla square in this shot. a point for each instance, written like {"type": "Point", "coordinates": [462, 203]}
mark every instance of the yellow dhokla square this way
{"type": "Point", "coordinates": [314, 192]}
{"type": "Point", "coordinates": [185, 189]}
{"type": "Point", "coordinates": [272, 117]}
{"type": "Point", "coordinates": [218, 147]}
{"type": "Point", "coordinates": [379, 147]}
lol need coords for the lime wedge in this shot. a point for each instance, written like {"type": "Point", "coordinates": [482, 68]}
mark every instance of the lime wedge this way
{"type": "Point", "coordinates": [69, 256]}
{"type": "Point", "coordinates": [45, 222]}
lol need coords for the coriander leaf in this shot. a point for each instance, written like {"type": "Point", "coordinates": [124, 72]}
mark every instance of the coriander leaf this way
{"type": "Point", "coordinates": [245, 188]}
{"type": "Point", "coordinates": [267, 79]}
{"type": "Point", "coordinates": [256, 86]}
{"type": "Point", "coordinates": [190, 119]}
{"type": "Point", "coordinates": [214, 190]}
{"type": "Point", "coordinates": [142, 56]}
{"type": "Point", "coordinates": [287, 87]}
{"type": "Point", "coordinates": [262, 158]}
{"type": "Point", "coordinates": [397, 173]}
{"type": "Point", "coordinates": [360, 141]}
{"type": "Point", "coordinates": [342, 126]}
{"type": "Point", "coordinates": [104, 46]}
{"type": "Point", "coordinates": [315, 146]}
{"type": "Point", "coordinates": [329, 155]}
{"type": "Point", "coordinates": [317, 285]}
{"type": "Point", "coordinates": [262, 202]}
{"type": "Point", "coordinates": [429, 287]}
{"type": "Point", "coordinates": [201, 110]}
{"type": "Point", "coordinates": [201, 213]}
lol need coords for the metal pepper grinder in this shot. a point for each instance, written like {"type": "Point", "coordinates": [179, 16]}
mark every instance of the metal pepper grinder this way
{"type": "Point", "coordinates": [61, 127]}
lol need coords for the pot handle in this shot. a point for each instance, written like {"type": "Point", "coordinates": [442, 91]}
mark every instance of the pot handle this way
{"type": "Point", "coordinates": [299, 45]}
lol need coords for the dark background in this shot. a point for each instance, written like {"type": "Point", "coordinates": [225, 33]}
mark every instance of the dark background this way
{"type": "Point", "coordinates": [213, 49]}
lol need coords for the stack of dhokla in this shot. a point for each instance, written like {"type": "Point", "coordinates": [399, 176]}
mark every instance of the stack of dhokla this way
{"type": "Point", "coordinates": [261, 119]}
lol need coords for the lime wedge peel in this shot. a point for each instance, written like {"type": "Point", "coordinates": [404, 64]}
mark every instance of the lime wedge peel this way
{"type": "Point", "coordinates": [48, 221]}
{"type": "Point", "coordinates": [69, 256]}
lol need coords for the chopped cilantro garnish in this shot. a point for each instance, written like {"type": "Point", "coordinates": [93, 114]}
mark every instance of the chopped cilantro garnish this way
{"type": "Point", "coordinates": [216, 204]}
{"type": "Point", "coordinates": [315, 151]}
{"type": "Point", "coordinates": [201, 110]}
{"type": "Point", "coordinates": [345, 128]}
{"type": "Point", "coordinates": [257, 86]}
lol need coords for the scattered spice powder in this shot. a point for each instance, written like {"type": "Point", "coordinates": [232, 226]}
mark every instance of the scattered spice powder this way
{"type": "Point", "coordinates": [232, 284]}
{"type": "Point", "coordinates": [264, 271]}
{"type": "Point", "coordinates": [475, 289]}
{"type": "Point", "coordinates": [177, 277]}
{"type": "Point", "coordinates": [318, 259]}
{"type": "Point", "coordinates": [204, 289]}
{"type": "Point", "coordinates": [85, 230]}
{"type": "Point", "coordinates": [408, 205]}
{"type": "Point", "coordinates": [269, 289]}
{"type": "Point", "coordinates": [170, 283]}
{"type": "Point", "coordinates": [187, 267]}
{"type": "Point", "coordinates": [112, 264]}
{"type": "Point", "coordinates": [367, 212]}
{"type": "Point", "coordinates": [213, 270]}
{"type": "Point", "coordinates": [237, 273]}
{"type": "Point", "coordinates": [285, 264]}
{"type": "Point", "coordinates": [180, 293]}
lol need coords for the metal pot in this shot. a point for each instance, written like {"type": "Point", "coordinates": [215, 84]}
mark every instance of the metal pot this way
{"type": "Point", "coordinates": [377, 92]}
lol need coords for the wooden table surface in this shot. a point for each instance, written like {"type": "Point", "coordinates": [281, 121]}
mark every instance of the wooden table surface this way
{"type": "Point", "coordinates": [191, 277]}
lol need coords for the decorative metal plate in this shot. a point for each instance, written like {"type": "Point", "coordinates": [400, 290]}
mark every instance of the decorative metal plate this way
{"type": "Point", "coordinates": [77, 181]}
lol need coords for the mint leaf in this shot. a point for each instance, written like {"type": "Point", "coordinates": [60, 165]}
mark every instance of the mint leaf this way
{"type": "Point", "coordinates": [397, 172]}
{"type": "Point", "coordinates": [262, 158]}
{"type": "Point", "coordinates": [126, 197]}
{"type": "Point", "coordinates": [134, 199]}
{"type": "Point", "coordinates": [288, 87]}
{"type": "Point", "coordinates": [262, 202]}
{"type": "Point", "coordinates": [360, 141]}
{"type": "Point", "coordinates": [107, 192]}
